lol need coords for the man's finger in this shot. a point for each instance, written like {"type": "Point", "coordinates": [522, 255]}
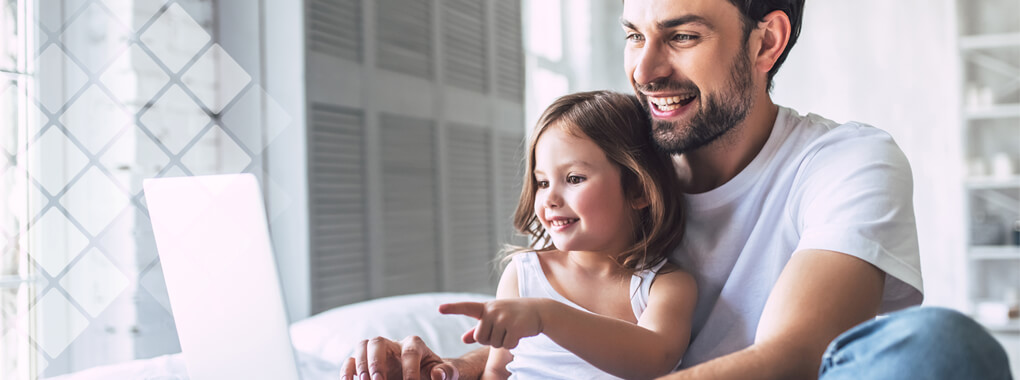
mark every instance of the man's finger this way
{"type": "Point", "coordinates": [377, 352]}
{"type": "Point", "coordinates": [348, 371]}
{"type": "Point", "coordinates": [471, 309]}
{"type": "Point", "coordinates": [361, 359]}
{"type": "Point", "coordinates": [444, 371]}
{"type": "Point", "coordinates": [411, 352]}
{"type": "Point", "coordinates": [469, 336]}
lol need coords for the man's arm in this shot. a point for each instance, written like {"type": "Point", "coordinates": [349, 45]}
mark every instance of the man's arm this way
{"type": "Point", "coordinates": [819, 295]}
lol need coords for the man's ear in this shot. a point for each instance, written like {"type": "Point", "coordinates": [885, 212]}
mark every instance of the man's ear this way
{"type": "Point", "coordinates": [774, 32]}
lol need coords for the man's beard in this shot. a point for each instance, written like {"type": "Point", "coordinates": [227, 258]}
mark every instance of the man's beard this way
{"type": "Point", "coordinates": [717, 116]}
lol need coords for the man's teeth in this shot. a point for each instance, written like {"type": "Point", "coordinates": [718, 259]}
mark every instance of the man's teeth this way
{"type": "Point", "coordinates": [670, 103]}
{"type": "Point", "coordinates": [561, 222]}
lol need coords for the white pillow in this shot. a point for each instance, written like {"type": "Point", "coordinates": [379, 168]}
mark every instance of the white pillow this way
{"type": "Point", "coordinates": [333, 334]}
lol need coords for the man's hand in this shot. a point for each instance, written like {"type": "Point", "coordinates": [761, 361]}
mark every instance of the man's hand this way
{"type": "Point", "coordinates": [381, 358]}
{"type": "Point", "coordinates": [501, 323]}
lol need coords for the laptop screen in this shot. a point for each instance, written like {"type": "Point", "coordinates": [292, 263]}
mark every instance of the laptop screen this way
{"type": "Point", "coordinates": [221, 276]}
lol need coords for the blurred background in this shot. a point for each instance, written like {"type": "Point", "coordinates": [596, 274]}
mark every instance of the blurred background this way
{"type": "Point", "coordinates": [387, 135]}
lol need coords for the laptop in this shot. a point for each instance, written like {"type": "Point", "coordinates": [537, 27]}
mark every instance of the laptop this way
{"type": "Point", "coordinates": [221, 276]}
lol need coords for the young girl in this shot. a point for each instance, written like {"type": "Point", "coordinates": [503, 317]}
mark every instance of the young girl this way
{"type": "Point", "coordinates": [594, 296]}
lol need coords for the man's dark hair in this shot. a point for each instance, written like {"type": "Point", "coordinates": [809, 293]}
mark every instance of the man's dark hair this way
{"type": "Point", "coordinates": [753, 11]}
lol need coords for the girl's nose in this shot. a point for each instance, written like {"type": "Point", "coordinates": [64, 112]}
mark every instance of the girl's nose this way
{"type": "Point", "coordinates": [552, 198]}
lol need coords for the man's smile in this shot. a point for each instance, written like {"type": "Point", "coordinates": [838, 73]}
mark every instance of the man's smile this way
{"type": "Point", "coordinates": [667, 107]}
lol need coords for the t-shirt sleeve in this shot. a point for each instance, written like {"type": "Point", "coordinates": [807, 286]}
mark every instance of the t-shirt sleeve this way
{"type": "Point", "coordinates": [855, 196]}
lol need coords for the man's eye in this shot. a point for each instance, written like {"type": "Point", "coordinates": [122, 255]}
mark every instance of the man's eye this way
{"type": "Point", "coordinates": [543, 184]}
{"type": "Point", "coordinates": [574, 179]}
{"type": "Point", "coordinates": [684, 37]}
{"type": "Point", "coordinates": [634, 37]}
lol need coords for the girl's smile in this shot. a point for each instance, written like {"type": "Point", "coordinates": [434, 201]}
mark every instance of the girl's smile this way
{"type": "Point", "coordinates": [579, 197]}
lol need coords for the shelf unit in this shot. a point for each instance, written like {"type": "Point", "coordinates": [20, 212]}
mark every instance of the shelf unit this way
{"type": "Point", "coordinates": [989, 50]}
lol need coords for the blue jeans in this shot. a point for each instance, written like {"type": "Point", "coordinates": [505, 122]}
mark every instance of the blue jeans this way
{"type": "Point", "coordinates": [916, 343]}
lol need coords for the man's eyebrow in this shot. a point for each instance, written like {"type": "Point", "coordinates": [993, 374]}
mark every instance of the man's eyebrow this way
{"type": "Point", "coordinates": [673, 22]}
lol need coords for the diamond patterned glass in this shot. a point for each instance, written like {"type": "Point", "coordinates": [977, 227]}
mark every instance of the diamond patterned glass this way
{"type": "Point", "coordinates": [57, 160]}
{"type": "Point", "coordinates": [59, 322]}
{"type": "Point", "coordinates": [95, 38]}
{"type": "Point", "coordinates": [216, 153]}
{"type": "Point", "coordinates": [54, 14]}
{"type": "Point", "coordinates": [54, 241]}
{"type": "Point", "coordinates": [132, 157]}
{"type": "Point", "coordinates": [58, 78]}
{"type": "Point", "coordinates": [175, 119]}
{"type": "Point", "coordinates": [94, 200]}
{"type": "Point", "coordinates": [94, 118]}
{"type": "Point", "coordinates": [133, 13]}
{"type": "Point", "coordinates": [175, 37]}
{"type": "Point", "coordinates": [134, 78]}
{"type": "Point", "coordinates": [9, 35]}
{"type": "Point", "coordinates": [123, 90]}
{"type": "Point", "coordinates": [229, 78]}
{"type": "Point", "coordinates": [94, 282]}
{"type": "Point", "coordinates": [9, 112]}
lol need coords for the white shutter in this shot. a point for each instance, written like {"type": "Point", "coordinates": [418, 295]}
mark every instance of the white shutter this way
{"type": "Point", "coordinates": [404, 36]}
{"type": "Point", "coordinates": [464, 44]}
{"type": "Point", "coordinates": [510, 153]}
{"type": "Point", "coordinates": [510, 55]}
{"type": "Point", "coordinates": [468, 201]}
{"type": "Point", "coordinates": [339, 259]}
{"type": "Point", "coordinates": [335, 28]}
{"type": "Point", "coordinates": [410, 216]}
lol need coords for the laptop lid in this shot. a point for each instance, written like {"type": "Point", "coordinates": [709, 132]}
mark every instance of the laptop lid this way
{"type": "Point", "coordinates": [221, 276]}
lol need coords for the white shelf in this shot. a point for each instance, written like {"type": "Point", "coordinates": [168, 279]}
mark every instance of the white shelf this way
{"type": "Point", "coordinates": [996, 111]}
{"type": "Point", "coordinates": [994, 252]}
{"type": "Point", "coordinates": [1010, 327]}
{"type": "Point", "coordinates": [992, 183]}
{"type": "Point", "coordinates": [985, 41]}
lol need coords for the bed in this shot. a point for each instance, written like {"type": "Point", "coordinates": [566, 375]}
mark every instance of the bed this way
{"type": "Point", "coordinates": [322, 341]}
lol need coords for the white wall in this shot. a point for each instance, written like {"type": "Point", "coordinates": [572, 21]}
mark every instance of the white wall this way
{"type": "Point", "coordinates": [893, 64]}
{"type": "Point", "coordinates": [285, 67]}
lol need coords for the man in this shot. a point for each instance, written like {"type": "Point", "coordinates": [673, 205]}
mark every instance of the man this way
{"type": "Point", "coordinates": [798, 228]}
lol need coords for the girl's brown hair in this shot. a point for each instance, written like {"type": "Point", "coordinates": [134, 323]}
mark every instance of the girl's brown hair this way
{"type": "Point", "coordinates": [619, 125]}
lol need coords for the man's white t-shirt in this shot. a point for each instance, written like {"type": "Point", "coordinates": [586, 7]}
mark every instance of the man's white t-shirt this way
{"type": "Point", "coordinates": [815, 184]}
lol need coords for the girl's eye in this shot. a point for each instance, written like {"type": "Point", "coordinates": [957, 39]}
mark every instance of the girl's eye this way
{"type": "Point", "coordinates": [543, 184]}
{"type": "Point", "coordinates": [574, 179]}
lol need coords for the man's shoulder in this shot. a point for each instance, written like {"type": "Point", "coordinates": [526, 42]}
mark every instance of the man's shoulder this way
{"type": "Point", "coordinates": [819, 140]}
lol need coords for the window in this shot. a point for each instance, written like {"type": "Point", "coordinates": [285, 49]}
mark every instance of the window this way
{"type": "Point", "coordinates": [96, 96]}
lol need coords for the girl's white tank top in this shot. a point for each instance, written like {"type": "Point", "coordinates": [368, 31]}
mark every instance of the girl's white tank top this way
{"type": "Point", "coordinates": [538, 357]}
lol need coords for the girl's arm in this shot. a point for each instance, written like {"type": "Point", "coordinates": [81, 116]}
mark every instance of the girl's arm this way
{"type": "Point", "coordinates": [495, 366]}
{"type": "Point", "coordinates": [651, 348]}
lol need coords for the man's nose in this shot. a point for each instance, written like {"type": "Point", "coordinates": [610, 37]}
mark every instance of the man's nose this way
{"type": "Point", "coordinates": [652, 65]}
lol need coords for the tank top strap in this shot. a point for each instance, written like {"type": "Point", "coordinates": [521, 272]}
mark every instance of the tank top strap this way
{"type": "Point", "coordinates": [640, 284]}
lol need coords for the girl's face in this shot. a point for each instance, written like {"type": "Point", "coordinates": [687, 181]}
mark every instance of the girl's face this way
{"type": "Point", "coordinates": [579, 198]}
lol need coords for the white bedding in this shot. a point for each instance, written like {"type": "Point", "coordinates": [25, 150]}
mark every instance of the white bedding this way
{"type": "Point", "coordinates": [323, 340]}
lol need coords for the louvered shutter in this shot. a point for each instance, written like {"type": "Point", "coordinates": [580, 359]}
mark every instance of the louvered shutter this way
{"type": "Point", "coordinates": [337, 192]}
{"type": "Point", "coordinates": [464, 44]}
{"type": "Point", "coordinates": [335, 28]}
{"type": "Point", "coordinates": [510, 55]}
{"type": "Point", "coordinates": [510, 153]}
{"type": "Point", "coordinates": [404, 32]}
{"type": "Point", "coordinates": [470, 214]}
{"type": "Point", "coordinates": [410, 215]}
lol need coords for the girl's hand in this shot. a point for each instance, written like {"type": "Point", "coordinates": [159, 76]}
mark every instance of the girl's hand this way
{"type": "Point", "coordinates": [501, 323]}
